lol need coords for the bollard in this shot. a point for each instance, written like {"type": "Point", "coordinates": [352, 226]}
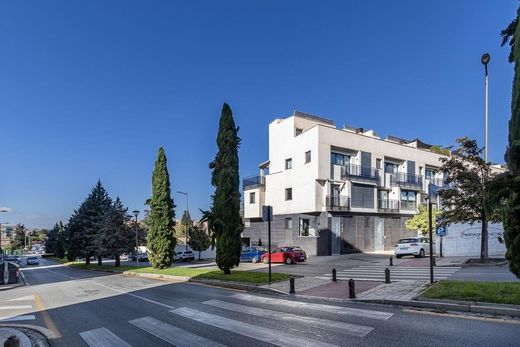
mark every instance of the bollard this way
{"type": "Point", "coordinates": [351, 289]}
{"type": "Point", "coordinates": [391, 261]}
{"type": "Point", "coordinates": [12, 341]}
{"type": "Point", "coordinates": [291, 286]}
{"type": "Point", "coordinates": [387, 275]}
{"type": "Point", "coordinates": [334, 279]}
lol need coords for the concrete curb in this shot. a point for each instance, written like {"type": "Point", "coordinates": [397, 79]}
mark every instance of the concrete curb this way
{"type": "Point", "coordinates": [157, 276]}
{"type": "Point", "coordinates": [447, 306]}
{"type": "Point", "coordinates": [239, 286]}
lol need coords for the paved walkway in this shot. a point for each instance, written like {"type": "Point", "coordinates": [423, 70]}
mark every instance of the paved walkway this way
{"type": "Point", "coordinates": [403, 290]}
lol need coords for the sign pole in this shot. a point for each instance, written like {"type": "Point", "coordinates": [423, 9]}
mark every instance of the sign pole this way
{"type": "Point", "coordinates": [269, 213]}
{"type": "Point", "coordinates": [430, 227]}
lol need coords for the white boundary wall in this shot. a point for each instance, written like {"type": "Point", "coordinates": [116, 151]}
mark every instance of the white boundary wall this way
{"type": "Point", "coordinates": [464, 240]}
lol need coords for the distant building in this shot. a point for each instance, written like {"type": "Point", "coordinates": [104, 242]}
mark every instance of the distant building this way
{"type": "Point", "coordinates": [338, 190]}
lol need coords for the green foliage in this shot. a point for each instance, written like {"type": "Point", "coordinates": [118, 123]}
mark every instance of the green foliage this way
{"type": "Point", "coordinates": [161, 238]}
{"type": "Point", "coordinates": [440, 150]}
{"type": "Point", "coordinates": [199, 238]}
{"type": "Point", "coordinates": [420, 223]}
{"type": "Point", "coordinates": [465, 200]}
{"type": "Point", "coordinates": [224, 221]}
{"type": "Point", "coordinates": [510, 182]}
{"type": "Point", "coordinates": [51, 241]}
{"type": "Point", "coordinates": [496, 292]}
{"type": "Point", "coordinates": [20, 232]}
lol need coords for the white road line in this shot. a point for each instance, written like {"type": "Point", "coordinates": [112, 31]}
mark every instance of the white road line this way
{"type": "Point", "coordinates": [24, 298]}
{"type": "Point", "coordinates": [274, 337]}
{"type": "Point", "coordinates": [345, 311]}
{"type": "Point", "coordinates": [344, 328]}
{"type": "Point", "coordinates": [102, 337]}
{"type": "Point", "coordinates": [18, 318]}
{"type": "Point", "coordinates": [15, 307]}
{"type": "Point", "coordinates": [171, 334]}
{"type": "Point", "coordinates": [135, 296]}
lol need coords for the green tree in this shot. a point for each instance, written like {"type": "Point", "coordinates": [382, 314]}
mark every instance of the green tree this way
{"type": "Point", "coordinates": [224, 222]}
{"type": "Point", "coordinates": [465, 199]}
{"type": "Point", "coordinates": [60, 243]}
{"type": "Point", "coordinates": [20, 232]}
{"type": "Point", "coordinates": [51, 241]}
{"type": "Point", "coordinates": [199, 238]}
{"type": "Point", "coordinates": [420, 223]}
{"type": "Point", "coordinates": [509, 183]}
{"type": "Point", "coordinates": [161, 238]}
{"type": "Point", "coordinates": [115, 237]}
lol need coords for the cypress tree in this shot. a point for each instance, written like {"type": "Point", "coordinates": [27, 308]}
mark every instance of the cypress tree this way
{"type": "Point", "coordinates": [161, 238]}
{"type": "Point", "coordinates": [51, 241]}
{"type": "Point", "coordinates": [511, 216]}
{"type": "Point", "coordinates": [224, 218]}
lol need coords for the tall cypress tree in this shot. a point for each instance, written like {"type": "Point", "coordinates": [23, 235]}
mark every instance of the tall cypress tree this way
{"type": "Point", "coordinates": [224, 218]}
{"type": "Point", "coordinates": [512, 207]}
{"type": "Point", "coordinates": [161, 238]}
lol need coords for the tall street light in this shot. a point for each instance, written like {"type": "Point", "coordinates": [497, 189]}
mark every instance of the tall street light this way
{"type": "Point", "coordinates": [187, 214]}
{"type": "Point", "coordinates": [1, 249]}
{"type": "Point", "coordinates": [136, 213]}
{"type": "Point", "coordinates": [485, 60]}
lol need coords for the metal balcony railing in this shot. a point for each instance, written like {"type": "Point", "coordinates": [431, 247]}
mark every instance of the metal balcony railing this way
{"type": "Point", "coordinates": [406, 180]}
{"type": "Point", "coordinates": [388, 205]}
{"type": "Point", "coordinates": [338, 203]}
{"type": "Point", "coordinates": [358, 172]}
{"type": "Point", "coordinates": [252, 182]}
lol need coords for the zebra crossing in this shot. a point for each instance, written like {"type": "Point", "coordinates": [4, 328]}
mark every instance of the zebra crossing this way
{"type": "Point", "coordinates": [397, 273]}
{"type": "Point", "coordinates": [225, 318]}
{"type": "Point", "coordinates": [17, 309]}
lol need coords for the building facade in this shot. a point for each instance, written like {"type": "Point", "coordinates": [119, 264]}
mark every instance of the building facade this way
{"type": "Point", "coordinates": [337, 190]}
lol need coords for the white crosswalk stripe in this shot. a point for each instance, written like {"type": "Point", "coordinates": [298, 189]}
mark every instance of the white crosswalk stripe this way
{"type": "Point", "coordinates": [14, 310]}
{"type": "Point", "coordinates": [171, 334]}
{"type": "Point", "coordinates": [397, 273]}
{"type": "Point", "coordinates": [102, 337]}
{"type": "Point", "coordinates": [307, 306]}
{"type": "Point", "coordinates": [275, 337]}
{"type": "Point", "coordinates": [18, 318]}
{"type": "Point", "coordinates": [341, 327]}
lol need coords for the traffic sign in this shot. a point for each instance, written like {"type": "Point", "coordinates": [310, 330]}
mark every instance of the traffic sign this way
{"type": "Point", "coordinates": [441, 231]}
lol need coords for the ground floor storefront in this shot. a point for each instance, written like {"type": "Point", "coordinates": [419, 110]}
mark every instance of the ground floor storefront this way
{"type": "Point", "coordinates": [330, 233]}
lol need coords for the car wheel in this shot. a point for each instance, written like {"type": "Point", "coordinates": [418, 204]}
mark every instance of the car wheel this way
{"type": "Point", "coordinates": [398, 256]}
{"type": "Point", "coordinates": [421, 253]}
{"type": "Point", "coordinates": [265, 260]}
{"type": "Point", "coordinates": [254, 260]}
{"type": "Point", "coordinates": [288, 260]}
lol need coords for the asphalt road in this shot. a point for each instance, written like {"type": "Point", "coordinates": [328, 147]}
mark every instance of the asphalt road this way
{"type": "Point", "coordinates": [85, 308]}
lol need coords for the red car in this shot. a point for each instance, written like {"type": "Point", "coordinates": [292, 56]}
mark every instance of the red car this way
{"type": "Point", "coordinates": [288, 255]}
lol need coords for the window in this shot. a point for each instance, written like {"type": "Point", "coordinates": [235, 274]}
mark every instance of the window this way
{"type": "Point", "coordinates": [307, 157]}
{"type": "Point", "coordinates": [391, 168]}
{"type": "Point", "coordinates": [306, 229]}
{"type": "Point", "coordinates": [429, 174]}
{"type": "Point", "coordinates": [251, 198]}
{"type": "Point", "coordinates": [288, 223]}
{"type": "Point", "coordinates": [288, 163]}
{"type": "Point", "coordinates": [339, 159]}
{"type": "Point", "coordinates": [408, 199]}
{"type": "Point", "coordinates": [378, 163]}
{"type": "Point", "coordinates": [362, 196]}
{"type": "Point", "coordinates": [298, 131]}
{"type": "Point", "coordinates": [288, 193]}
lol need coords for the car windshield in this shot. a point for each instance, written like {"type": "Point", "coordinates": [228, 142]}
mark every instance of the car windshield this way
{"type": "Point", "coordinates": [296, 248]}
{"type": "Point", "coordinates": [407, 241]}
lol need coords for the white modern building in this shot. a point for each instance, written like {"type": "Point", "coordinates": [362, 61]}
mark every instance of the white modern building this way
{"type": "Point", "coordinates": [337, 190]}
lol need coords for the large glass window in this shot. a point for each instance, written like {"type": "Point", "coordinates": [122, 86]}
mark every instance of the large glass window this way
{"type": "Point", "coordinates": [391, 167]}
{"type": "Point", "coordinates": [429, 174]}
{"type": "Point", "coordinates": [408, 200]}
{"type": "Point", "coordinates": [362, 196]}
{"type": "Point", "coordinates": [339, 159]}
{"type": "Point", "coordinates": [306, 229]}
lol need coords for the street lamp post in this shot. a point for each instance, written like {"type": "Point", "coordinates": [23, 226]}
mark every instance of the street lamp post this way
{"type": "Point", "coordinates": [485, 60]}
{"type": "Point", "coordinates": [187, 214]}
{"type": "Point", "coordinates": [1, 249]}
{"type": "Point", "coordinates": [136, 213]}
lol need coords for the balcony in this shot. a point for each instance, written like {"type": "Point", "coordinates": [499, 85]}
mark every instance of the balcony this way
{"type": "Point", "coordinates": [357, 173]}
{"type": "Point", "coordinates": [410, 206]}
{"type": "Point", "coordinates": [388, 206]}
{"type": "Point", "coordinates": [252, 182]}
{"type": "Point", "coordinates": [405, 180]}
{"type": "Point", "coordinates": [338, 203]}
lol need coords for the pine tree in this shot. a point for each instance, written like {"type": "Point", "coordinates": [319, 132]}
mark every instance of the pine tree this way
{"type": "Point", "coordinates": [161, 238]}
{"type": "Point", "coordinates": [511, 180]}
{"type": "Point", "coordinates": [60, 243]}
{"type": "Point", "coordinates": [224, 220]}
{"type": "Point", "coordinates": [52, 239]}
{"type": "Point", "coordinates": [115, 237]}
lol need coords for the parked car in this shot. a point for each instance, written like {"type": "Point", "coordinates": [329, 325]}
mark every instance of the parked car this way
{"type": "Point", "coordinates": [143, 256]}
{"type": "Point", "coordinates": [184, 256]}
{"type": "Point", "coordinates": [300, 253]}
{"type": "Point", "coordinates": [285, 255]}
{"type": "Point", "coordinates": [32, 261]}
{"type": "Point", "coordinates": [252, 254]}
{"type": "Point", "coordinates": [416, 246]}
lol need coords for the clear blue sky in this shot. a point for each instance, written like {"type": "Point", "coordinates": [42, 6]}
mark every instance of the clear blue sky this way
{"type": "Point", "coordinates": [91, 89]}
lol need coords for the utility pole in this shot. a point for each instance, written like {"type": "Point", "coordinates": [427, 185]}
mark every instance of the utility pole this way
{"type": "Point", "coordinates": [136, 213]}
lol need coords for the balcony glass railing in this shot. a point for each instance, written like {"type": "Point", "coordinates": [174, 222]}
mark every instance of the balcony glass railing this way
{"type": "Point", "coordinates": [338, 202]}
{"type": "Point", "coordinates": [252, 182]}
{"type": "Point", "coordinates": [354, 171]}
{"type": "Point", "coordinates": [388, 204]}
{"type": "Point", "coordinates": [408, 205]}
{"type": "Point", "coordinates": [406, 180]}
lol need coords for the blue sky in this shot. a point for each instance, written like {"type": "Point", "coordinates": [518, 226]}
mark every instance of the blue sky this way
{"type": "Point", "coordinates": [90, 89]}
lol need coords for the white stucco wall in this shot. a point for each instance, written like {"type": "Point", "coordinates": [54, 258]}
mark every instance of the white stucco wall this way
{"type": "Point", "coordinates": [464, 240]}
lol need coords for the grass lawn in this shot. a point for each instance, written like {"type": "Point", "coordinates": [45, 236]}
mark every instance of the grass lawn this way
{"type": "Point", "coordinates": [495, 292]}
{"type": "Point", "coordinates": [248, 277]}
{"type": "Point", "coordinates": [60, 260]}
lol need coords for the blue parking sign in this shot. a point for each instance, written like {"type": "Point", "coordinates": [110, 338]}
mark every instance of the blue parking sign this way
{"type": "Point", "coordinates": [441, 231]}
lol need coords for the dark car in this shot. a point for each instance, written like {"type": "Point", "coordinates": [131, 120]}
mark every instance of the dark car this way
{"type": "Point", "coordinates": [252, 254]}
